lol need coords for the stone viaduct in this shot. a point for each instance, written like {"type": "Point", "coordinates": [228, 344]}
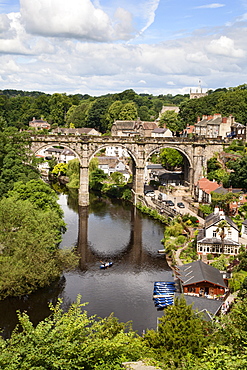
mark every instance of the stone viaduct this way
{"type": "Point", "coordinates": [196, 152]}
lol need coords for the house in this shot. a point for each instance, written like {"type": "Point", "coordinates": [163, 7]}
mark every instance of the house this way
{"type": "Point", "coordinates": [244, 229]}
{"type": "Point", "coordinates": [133, 128]}
{"type": "Point", "coordinates": [62, 155]}
{"type": "Point", "coordinates": [214, 126]}
{"type": "Point", "coordinates": [166, 108]}
{"type": "Point", "coordinates": [209, 240]}
{"type": "Point", "coordinates": [188, 131]}
{"type": "Point", "coordinates": [161, 132]}
{"type": "Point", "coordinates": [112, 164]}
{"type": "Point", "coordinates": [202, 190]}
{"type": "Point", "coordinates": [201, 280]}
{"type": "Point", "coordinates": [39, 124]}
{"type": "Point", "coordinates": [76, 131]}
{"type": "Point", "coordinates": [238, 131]}
{"type": "Point", "coordinates": [158, 173]}
{"type": "Point", "coordinates": [116, 151]}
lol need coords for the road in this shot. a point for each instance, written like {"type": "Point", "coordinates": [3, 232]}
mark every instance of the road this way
{"type": "Point", "coordinates": [177, 200]}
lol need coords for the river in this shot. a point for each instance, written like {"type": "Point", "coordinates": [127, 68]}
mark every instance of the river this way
{"type": "Point", "coordinates": [107, 230]}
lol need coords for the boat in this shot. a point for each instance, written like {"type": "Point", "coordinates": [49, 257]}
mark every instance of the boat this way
{"type": "Point", "coordinates": [105, 265]}
{"type": "Point", "coordinates": [161, 251]}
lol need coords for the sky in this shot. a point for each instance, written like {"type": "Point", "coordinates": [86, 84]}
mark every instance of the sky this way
{"type": "Point", "coordinates": [98, 47]}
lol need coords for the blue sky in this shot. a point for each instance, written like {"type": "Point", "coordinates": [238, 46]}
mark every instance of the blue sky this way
{"type": "Point", "coordinates": [105, 46]}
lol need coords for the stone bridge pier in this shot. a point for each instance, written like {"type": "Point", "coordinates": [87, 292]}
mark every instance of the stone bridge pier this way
{"type": "Point", "coordinates": [195, 154]}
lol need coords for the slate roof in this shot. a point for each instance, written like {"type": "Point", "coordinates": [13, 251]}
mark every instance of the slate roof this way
{"type": "Point", "coordinates": [245, 222]}
{"type": "Point", "coordinates": [214, 218]}
{"type": "Point", "coordinates": [209, 307]}
{"type": "Point", "coordinates": [198, 271]}
{"type": "Point", "coordinates": [159, 130]}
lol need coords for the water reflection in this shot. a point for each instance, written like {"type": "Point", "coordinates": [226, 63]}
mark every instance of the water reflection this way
{"type": "Point", "coordinates": [106, 230]}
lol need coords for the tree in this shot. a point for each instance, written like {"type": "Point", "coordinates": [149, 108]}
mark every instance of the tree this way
{"type": "Point", "coordinates": [114, 111]}
{"type": "Point", "coordinates": [97, 114]}
{"type": "Point", "coordinates": [118, 178]}
{"type": "Point", "coordinates": [29, 239]}
{"type": "Point", "coordinates": [128, 112]}
{"type": "Point", "coordinates": [170, 119]}
{"type": "Point", "coordinates": [16, 161]}
{"type": "Point", "coordinates": [60, 169]}
{"type": "Point", "coordinates": [96, 179]}
{"type": "Point", "coordinates": [170, 158]}
{"type": "Point", "coordinates": [223, 201]}
{"type": "Point", "coordinates": [40, 194]}
{"type": "Point", "coordinates": [73, 172]}
{"type": "Point", "coordinates": [77, 114]}
{"type": "Point", "coordinates": [71, 341]}
{"type": "Point", "coordinates": [181, 333]}
{"type": "Point", "coordinates": [238, 178]}
{"type": "Point", "coordinates": [221, 227]}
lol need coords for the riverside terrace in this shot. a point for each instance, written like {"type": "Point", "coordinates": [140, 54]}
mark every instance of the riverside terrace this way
{"type": "Point", "coordinates": [195, 152]}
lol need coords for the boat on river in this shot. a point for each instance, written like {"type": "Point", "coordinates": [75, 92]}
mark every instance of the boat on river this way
{"type": "Point", "coordinates": [105, 265]}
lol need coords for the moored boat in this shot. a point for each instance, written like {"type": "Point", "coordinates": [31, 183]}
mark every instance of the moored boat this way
{"type": "Point", "coordinates": [105, 265]}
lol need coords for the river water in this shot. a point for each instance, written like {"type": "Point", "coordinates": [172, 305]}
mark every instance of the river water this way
{"type": "Point", "coordinates": [105, 231]}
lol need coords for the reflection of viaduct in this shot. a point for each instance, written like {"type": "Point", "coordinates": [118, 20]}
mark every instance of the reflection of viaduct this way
{"type": "Point", "coordinates": [195, 153]}
{"type": "Point", "coordinates": [132, 253]}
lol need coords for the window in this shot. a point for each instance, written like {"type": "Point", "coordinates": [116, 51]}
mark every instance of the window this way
{"type": "Point", "coordinates": [214, 234]}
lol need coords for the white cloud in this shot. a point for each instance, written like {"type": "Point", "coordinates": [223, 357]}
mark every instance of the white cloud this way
{"type": "Point", "coordinates": [210, 6]}
{"type": "Point", "coordinates": [148, 9]}
{"type": "Point", "coordinates": [225, 46]}
{"type": "Point", "coordinates": [74, 19]}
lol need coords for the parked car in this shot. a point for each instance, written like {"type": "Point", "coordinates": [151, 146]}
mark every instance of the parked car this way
{"type": "Point", "coordinates": [169, 202]}
{"type": "Point", "coordinates": [162, 197]}
{"type": "Point", "coordinates": [180, 205]}
{"type": "Point", "coordinates": [150, 194]}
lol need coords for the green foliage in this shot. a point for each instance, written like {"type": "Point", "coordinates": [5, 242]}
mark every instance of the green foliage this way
{"type": "Point", "coordinates": [40, 194]}
{"type": "Point", "coordinates": [60, 169]}
{"type": "Point", "coordinates": [73, 172]}
{"type": "Point", "coordinates": [118, 178]}
{"type": "Point", "coordinates": [29, 238]}
{"type": "Point", "coordinates": [237, 280]}
{"type": "Point", "coordinates": [206, 209]}
{"type": "Point", "coordinates": [16, 162]}
{"type": "Point", "coordinates": [213, 165]}
{"type": "Point", "coordinates": [233, 328]}
{"type": "Point", "coordinates": [220, 263]}
{"type": "Point", "coordinates": [181, 333]}
{"type": "Point", "coordinates": [170, 158]}
{"type": "Point", "coordinates": [236, 147]}
{"type": "Point", "coordinates": [96, 179]}
{"type": "Point", "coordinates": [152, 213]}
{"type": "Point", "coordinates": [223, 200]}
{"type": "Point", "coordinates": [238, 178]}
{"type": "Point", "coordinates": [70, 341]}
{"type": "Point", "coordinates": [170, 119]}
{"type": "Point", "coordinates": [128, 112]}
{"type": "Point", "coordinates": [221, 176]}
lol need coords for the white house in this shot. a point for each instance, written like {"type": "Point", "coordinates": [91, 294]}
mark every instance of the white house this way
{"type": "Point", "coordinates": [116, 151]}
{"type": "Point", "coordinates": [161, 132]}
{"type": "Point", "coordinates": [209, 240]}
{"type": "Point", "coordinates": [112, 164]}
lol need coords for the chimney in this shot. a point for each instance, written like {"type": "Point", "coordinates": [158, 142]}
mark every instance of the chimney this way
{"type": "Point", "coordinates": [198, 119]}
{"type": "Point", "coordinates": [216, 115]}
{"type": "Point", "coordinates": [224, 119]}
{"type": "Point", "coordinates": [216, 210]}
{"type": "Point", "coordinates": [210, 117]}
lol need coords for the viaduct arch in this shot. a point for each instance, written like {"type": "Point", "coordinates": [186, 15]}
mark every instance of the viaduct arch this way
{"type": "Point", "coordinates": [195, 152]}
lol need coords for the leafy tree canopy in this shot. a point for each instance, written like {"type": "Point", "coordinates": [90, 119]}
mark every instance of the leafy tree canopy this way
{"type": "Point", "coordinates": [71, 341]}
{"type": "Point", "coordinates": [170, 158]}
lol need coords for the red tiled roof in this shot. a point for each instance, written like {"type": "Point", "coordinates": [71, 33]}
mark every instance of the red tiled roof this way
{"type": "Point", "coordinates": [207, 186]}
